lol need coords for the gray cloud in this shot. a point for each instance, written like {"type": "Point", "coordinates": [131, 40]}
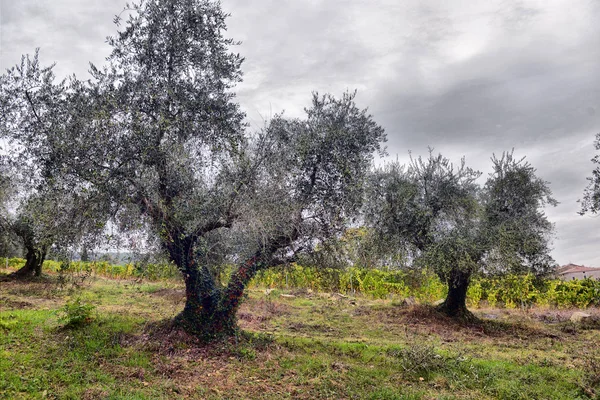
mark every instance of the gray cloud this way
{"type": "Point", "coordinates": [468, 78]}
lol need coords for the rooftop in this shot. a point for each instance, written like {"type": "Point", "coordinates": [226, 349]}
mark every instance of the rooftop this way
{"type": "Point", "coordinates": [572, 268]}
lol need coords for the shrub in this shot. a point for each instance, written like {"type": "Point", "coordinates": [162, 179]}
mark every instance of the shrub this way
{"type": "Point", "coordinates": [76, 313]}
{"type": "Point", "coordinates": [474, 294]}
{"type": "Point", "coordinates": [420, 359]}
{"type": "Point", "coordinates": [517, 290]}
{"type": "Point", "coordinates": [16, 262]}
{"type": "Point", "coordinates": [510, 291]}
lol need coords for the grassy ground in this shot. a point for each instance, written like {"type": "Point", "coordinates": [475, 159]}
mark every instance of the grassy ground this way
{"type": "Point", "coordinates": [311, 346]}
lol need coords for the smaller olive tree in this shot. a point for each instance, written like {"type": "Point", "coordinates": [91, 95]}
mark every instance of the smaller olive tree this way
{"type": "Point", "coordinates": [449, 223]}
{"type": "Point", "coordinates": [52, 218]}
{"type": "Point", "coordinates": [48, 208]}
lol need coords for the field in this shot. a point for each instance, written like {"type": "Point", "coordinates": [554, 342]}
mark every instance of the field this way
{"type": "Point", "coordinates": [303, 345]}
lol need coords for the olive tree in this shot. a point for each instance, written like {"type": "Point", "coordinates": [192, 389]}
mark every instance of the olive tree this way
{"type": "Point", "coordinates": [48, 209]}
{"type": "Point", "coordinates": [450, 223]}
{"type": "Point", "coordinates": [50, 218]}
{"type": "Point", "coordinates": [157, 133]}
{"type": "Point", "coordinates": [308, 186]}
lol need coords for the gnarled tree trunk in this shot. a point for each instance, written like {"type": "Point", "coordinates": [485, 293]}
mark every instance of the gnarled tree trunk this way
{"type": "Point", "coordinates": [455, 305]}
{"type": "Point", "coordinates": [210, 311]}
{"type": "Point", "coordinates": [201, 300]}
{"type": "Point", "coordinates": [33, 263]}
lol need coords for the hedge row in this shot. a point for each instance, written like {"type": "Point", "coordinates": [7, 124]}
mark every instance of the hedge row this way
{"type": "Point", "coordinates": [131, 270]}
{"type": "Point", "coordinates": [508, 291]}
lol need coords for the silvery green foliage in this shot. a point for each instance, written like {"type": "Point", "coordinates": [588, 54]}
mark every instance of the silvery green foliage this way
{"type": "Point", "coordinates": [49, 208]}
{"type": "Point", "coordinates": [591, 194]}
{"type": "Point", "coordinates": [33, 107]}
{"type": "Point", "coordinates": [425, 206]}
{"type": "Point", "coordinates": [311, 181]}
{"type": "Point", "coordinates": [157, 130]}
{"type": "Point", "coordinates": [450, 223]}
{"type": "Point", "coordinates": [518, 231]}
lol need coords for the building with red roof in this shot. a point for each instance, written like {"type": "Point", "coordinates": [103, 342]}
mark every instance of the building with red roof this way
{"type": "Point", "coordinates": [573, 271]}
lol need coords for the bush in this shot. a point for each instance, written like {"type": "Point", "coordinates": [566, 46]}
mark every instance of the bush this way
{"type": "Point", "coordinates": [76, 313]}
{"type": "Point", "coordinates": [475, 294]}
{"type": "Point", "coordinates": [422, 360]}
{"type": "Point", "coordinates": [16, 262]}
{"type": "Point", "coordinates": [419, 359]}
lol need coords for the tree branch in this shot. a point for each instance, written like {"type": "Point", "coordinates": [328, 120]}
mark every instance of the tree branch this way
{"type": "Point", "coordinates": [33, 108]}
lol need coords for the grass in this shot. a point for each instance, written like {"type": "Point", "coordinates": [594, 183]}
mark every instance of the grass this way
{"type": "Point", "coordinates": [312, 346]}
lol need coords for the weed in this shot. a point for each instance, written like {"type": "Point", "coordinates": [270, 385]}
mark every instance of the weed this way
{"type": "Point", "coordinates": [70, 277]}
{"type": "Point", "coordinates": [418, 358]}
{"type": "Point", "coordinates": [245, 353]}
{"type": "Point", "coordinates": [8, 323]}
{"type": "Point", "coordinates": [569, 327]}
{"type": "Point", "coordinates": [76, 313]}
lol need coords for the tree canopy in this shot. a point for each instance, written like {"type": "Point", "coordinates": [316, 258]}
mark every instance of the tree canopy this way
{"type": "Point", "coordinates": [448, 222]}
{"type": "Point", "coordinates": [48, 208]}
{"type": "Point", "coordinates": [157, 142]}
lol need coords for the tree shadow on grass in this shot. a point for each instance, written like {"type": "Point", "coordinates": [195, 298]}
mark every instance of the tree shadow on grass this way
{"type": "Point", "coordinates": [441, 323]}
{"type": "Point", "coordinates": [167, 338]}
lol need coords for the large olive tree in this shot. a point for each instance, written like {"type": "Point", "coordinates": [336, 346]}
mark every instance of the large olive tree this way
{"type": "Point", "coordinates": [449, 223]}
{"type": "Point", "coordinates": [158, 134]}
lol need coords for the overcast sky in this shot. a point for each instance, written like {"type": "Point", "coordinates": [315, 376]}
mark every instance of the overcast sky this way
{"type": "Point", "coordinates": [468, 78]}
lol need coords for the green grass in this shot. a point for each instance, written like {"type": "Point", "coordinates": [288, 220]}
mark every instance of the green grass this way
{"type": "Point", "coordinates": [312, 346]}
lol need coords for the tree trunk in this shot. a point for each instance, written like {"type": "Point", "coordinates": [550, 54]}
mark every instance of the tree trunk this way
{"type": "Point", "coordinates": [199, 315]}
{"type": "Point", "coordinates": [40, 262]}
{"type": "Point", "coordinates": [84, 254]}
{"type": "Point", "coordinates": [234, 292]}
{"type": "Point", "coordinates": [34, 260]}
{"type": "Point", "coordinates": [455, 305]}
{"type": "Point", "coordinates": [211, 311]}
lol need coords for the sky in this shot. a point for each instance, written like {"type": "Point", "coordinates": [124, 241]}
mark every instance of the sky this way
{"type": "Point", "coordinates": [468, 78]}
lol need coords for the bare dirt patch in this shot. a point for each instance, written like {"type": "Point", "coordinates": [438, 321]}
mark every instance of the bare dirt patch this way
{"type": "Point", "coordinates": [424, 319]}
{"type": "Point", "coordinates": [195, 369]}
{"type": "Point", "coordinates": [255, 314]}
{"type": "Point", "coordinates": [171, 294]}
{"type": "Point", "coordinates": [7, 303]}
